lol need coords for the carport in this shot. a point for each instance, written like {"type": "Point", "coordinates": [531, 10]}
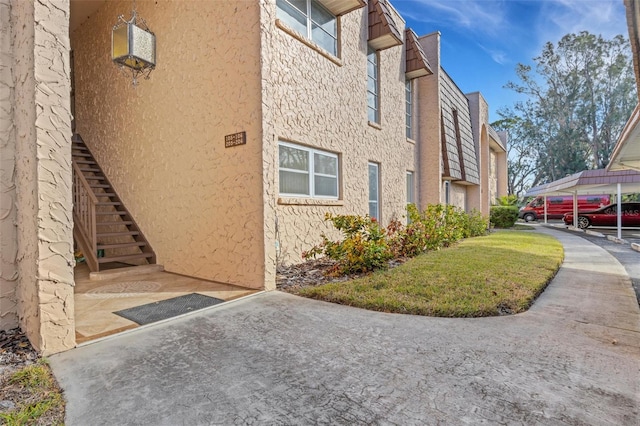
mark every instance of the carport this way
{"type": "Point", "coordinates": [591, 182]}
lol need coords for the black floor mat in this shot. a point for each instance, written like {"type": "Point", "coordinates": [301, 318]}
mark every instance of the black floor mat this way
{"type": "Point", "coordinates": [156, 311]}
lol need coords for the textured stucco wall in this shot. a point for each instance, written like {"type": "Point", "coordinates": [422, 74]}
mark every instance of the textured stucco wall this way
{"type": "Point", "coordinates": [43, 173]}
{"type": "Point", "coordinates": [479, 195]}
{"type": "Point", "coordinates": [458, 196]}
{"type": "Point", "coordinates": [8, 230]}
{"type": "Point", "coordinates": [430, 186]}
{"type": "Point", "coordinates": [493, 176]}
{"type": "Point", "coordinates": [314, 101]}
{"type": "Point", "coordinates": [162, 143]}
{"type": "Point", "coordinates": [502, 174]}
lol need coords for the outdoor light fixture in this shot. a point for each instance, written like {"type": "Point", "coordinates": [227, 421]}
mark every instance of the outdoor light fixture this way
{"type": "Point", "coordinates": [133, 45]}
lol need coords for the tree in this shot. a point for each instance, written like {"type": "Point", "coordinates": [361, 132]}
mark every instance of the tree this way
{"type": "Point", "coordinates": [579, 99]}
{"type": "Point", "coordinates": [521, 152]}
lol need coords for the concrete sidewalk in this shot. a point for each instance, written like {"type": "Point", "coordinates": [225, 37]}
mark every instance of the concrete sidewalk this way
{"type": "Point", "coordinates": [573, 358]}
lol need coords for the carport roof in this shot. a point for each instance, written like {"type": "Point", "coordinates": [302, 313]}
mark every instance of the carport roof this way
{"type": "Point", "coordinates": [626, 154]}
{"type": "Point", "coordinates": [590, 182]}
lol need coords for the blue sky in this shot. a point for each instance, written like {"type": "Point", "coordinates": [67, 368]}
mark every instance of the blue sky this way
{"type": "Point", "coordinates": [483, 40]}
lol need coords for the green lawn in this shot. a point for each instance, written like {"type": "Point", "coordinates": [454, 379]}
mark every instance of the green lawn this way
{"type": "Point", "coordinates": [497, 274]}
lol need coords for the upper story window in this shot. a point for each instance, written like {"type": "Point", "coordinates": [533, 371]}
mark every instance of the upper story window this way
{"type": "Point", "coordinates": [373, 86]}
{"type": "Point", "coordinates": [312, 20]}
{"type": "Point", "coordinates": [409, 111]}
{"type": "Point", "coordinates": [307, 172]}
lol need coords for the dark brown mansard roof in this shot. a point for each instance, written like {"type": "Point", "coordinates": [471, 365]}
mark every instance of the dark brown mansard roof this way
{"type": "Point", "coordinates": [458, 147]}
{"type": "Point", "coordinates": [383, 32]}
{"type": "Point", "coordinates": [417, 64]}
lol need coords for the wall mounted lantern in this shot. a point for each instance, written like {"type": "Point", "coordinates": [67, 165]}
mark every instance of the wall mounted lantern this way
{"type": "Point", "coordinates": [133, 45]}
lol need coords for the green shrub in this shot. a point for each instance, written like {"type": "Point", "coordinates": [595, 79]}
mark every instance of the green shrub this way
{"type": "Point", "coordinates": [364, 247]}
{"type": "Point", "coordinates": [476, 225]}
{"type": "Point", "coordinates": [503, 216]}
{"type": "Point", "coordinates": [436, 227]}
{"type": "Point", "coordinates": [507, 200]}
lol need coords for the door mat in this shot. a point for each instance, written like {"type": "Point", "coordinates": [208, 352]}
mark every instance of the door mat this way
{"type": "Point", "coordinates": [157, 311]}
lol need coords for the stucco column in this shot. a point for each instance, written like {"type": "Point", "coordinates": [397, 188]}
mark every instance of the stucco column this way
{"type": "Point", "coordinates": [502, 173]}
{"type": "Point", "coordinates": [42, 121]}
{"type": "Point", "coordinates": [8, 234]}
{"type": "Point", "coordinates": [429, 120]}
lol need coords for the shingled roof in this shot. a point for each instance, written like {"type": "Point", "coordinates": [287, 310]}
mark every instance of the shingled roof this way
{"type": "Point", "coordinates": [458, 148]}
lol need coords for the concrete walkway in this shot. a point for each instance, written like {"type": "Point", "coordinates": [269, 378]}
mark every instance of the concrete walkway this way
{"type": "Point", "coordinates": [573, 358]}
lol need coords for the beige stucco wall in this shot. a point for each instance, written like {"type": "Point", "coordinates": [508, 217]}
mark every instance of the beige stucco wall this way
{"type": "Point", "coordinates": [43, 173]}
{"type": "Point", "coordinates": [317, 101]}
{"type": "Point", "coordinates": [430, 187]}
{"type": "Point", "coordinates": [479, 196]}
{"type": "Point", "coordinates": [502, 174]}
{"type": "Point", "coordinates": [8, 230]}
{"type": "Point", "coordinates": [493, 176]}
{"type": "Point", "coordinates": [161, 144]}
{"type": "Point", "coordinates": [459, 196]}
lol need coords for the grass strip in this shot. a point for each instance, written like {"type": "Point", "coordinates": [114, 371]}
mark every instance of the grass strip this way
{"type": "Point", "coordinates": [501, 273]}
{"type": "Point", "coordinates": [39, 398]}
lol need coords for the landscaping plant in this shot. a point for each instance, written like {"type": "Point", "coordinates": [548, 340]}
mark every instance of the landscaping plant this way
{"type": "Point", "coordinates": [367, 246]}
{"type": "Point", "coordinates": [364, 247]}
{"type": "Point", "coordinates": [503, 216]}
{"type": "Point", "coordinates": [38, 397]}
{"type": "Point", "coordinates": [498, 274]}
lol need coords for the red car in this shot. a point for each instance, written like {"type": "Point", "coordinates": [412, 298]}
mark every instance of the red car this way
{"type": "Point", "coordinates": [606, 216]}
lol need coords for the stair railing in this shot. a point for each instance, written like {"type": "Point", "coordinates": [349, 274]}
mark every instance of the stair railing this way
{"type": "Point", "coordinates": [84, 214]}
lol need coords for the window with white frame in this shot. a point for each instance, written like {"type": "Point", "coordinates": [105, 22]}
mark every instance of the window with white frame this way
{"type": "Point", "coordinates": [411, 198]}
{"type": "Point", "coordinates": [307, 172]}
{"type": "Point", "coordinates": [409, 106]}
{"type": "Point", "coordinates": [312, 20]}
{"type": "Point", "coordinates": [410, 189]}
{"type": "Point", "coordinates": [373, 86]}
{"type": "Point", "coordinates": [374, 190]}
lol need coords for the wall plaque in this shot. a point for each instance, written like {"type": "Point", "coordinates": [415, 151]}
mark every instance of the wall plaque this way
{"type": "Point", "coordinates": [235, 139]}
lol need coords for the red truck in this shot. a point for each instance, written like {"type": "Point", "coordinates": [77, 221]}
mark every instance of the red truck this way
{"type": "Point", "coordinates": [557, 206]}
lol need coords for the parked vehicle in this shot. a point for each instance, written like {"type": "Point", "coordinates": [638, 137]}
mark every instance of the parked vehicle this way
{"type": "Point", "coordinates": [607, 216]}
{"type": "Point", "coordinates": [557, 206]}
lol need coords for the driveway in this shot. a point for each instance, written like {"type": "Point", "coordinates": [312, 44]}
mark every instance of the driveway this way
{"type": "Point", "coordinates": [274, 358]}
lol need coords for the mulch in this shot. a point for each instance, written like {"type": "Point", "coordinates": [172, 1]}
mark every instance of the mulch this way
{"type": "Point", "coordinates": [15, 350]}
{"type": "Point", "coordinates": [315, 272]}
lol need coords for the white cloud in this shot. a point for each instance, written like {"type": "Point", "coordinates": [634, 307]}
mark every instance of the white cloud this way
{"type": "Point", "coordinates": [511, 30]}
{"type": "Point", "coordinates": [474, 16]}
{"type": "Point", "coordinates": [560, 17]}
{"type": "Point", "coordinates": [497, 55]}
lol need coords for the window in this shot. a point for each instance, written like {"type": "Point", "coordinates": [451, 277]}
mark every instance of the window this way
{"type": "Point", "coordinates": [447, 192]}
{"type": "Point", "coordinates": [374, 193]}
{"type": "Point", "coordinates": [409, 102]}
{"type": "Point", "coordinates": [307, 172]}
{"type": "Point", "coordinates": [312, 20]}
{"type": "Point", "coordinates": [410, 192]}
{"type": "Point", "coordinates": [410, 189]}
{"type": "Point", "coordinates": [373, 71]}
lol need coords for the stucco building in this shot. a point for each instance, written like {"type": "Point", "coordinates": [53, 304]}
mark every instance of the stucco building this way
{"type": "Point", "coordinates": [260, 117]}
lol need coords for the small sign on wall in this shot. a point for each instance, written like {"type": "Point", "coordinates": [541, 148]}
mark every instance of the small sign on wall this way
{"type": "Point", "coordinates": [235, 139]}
